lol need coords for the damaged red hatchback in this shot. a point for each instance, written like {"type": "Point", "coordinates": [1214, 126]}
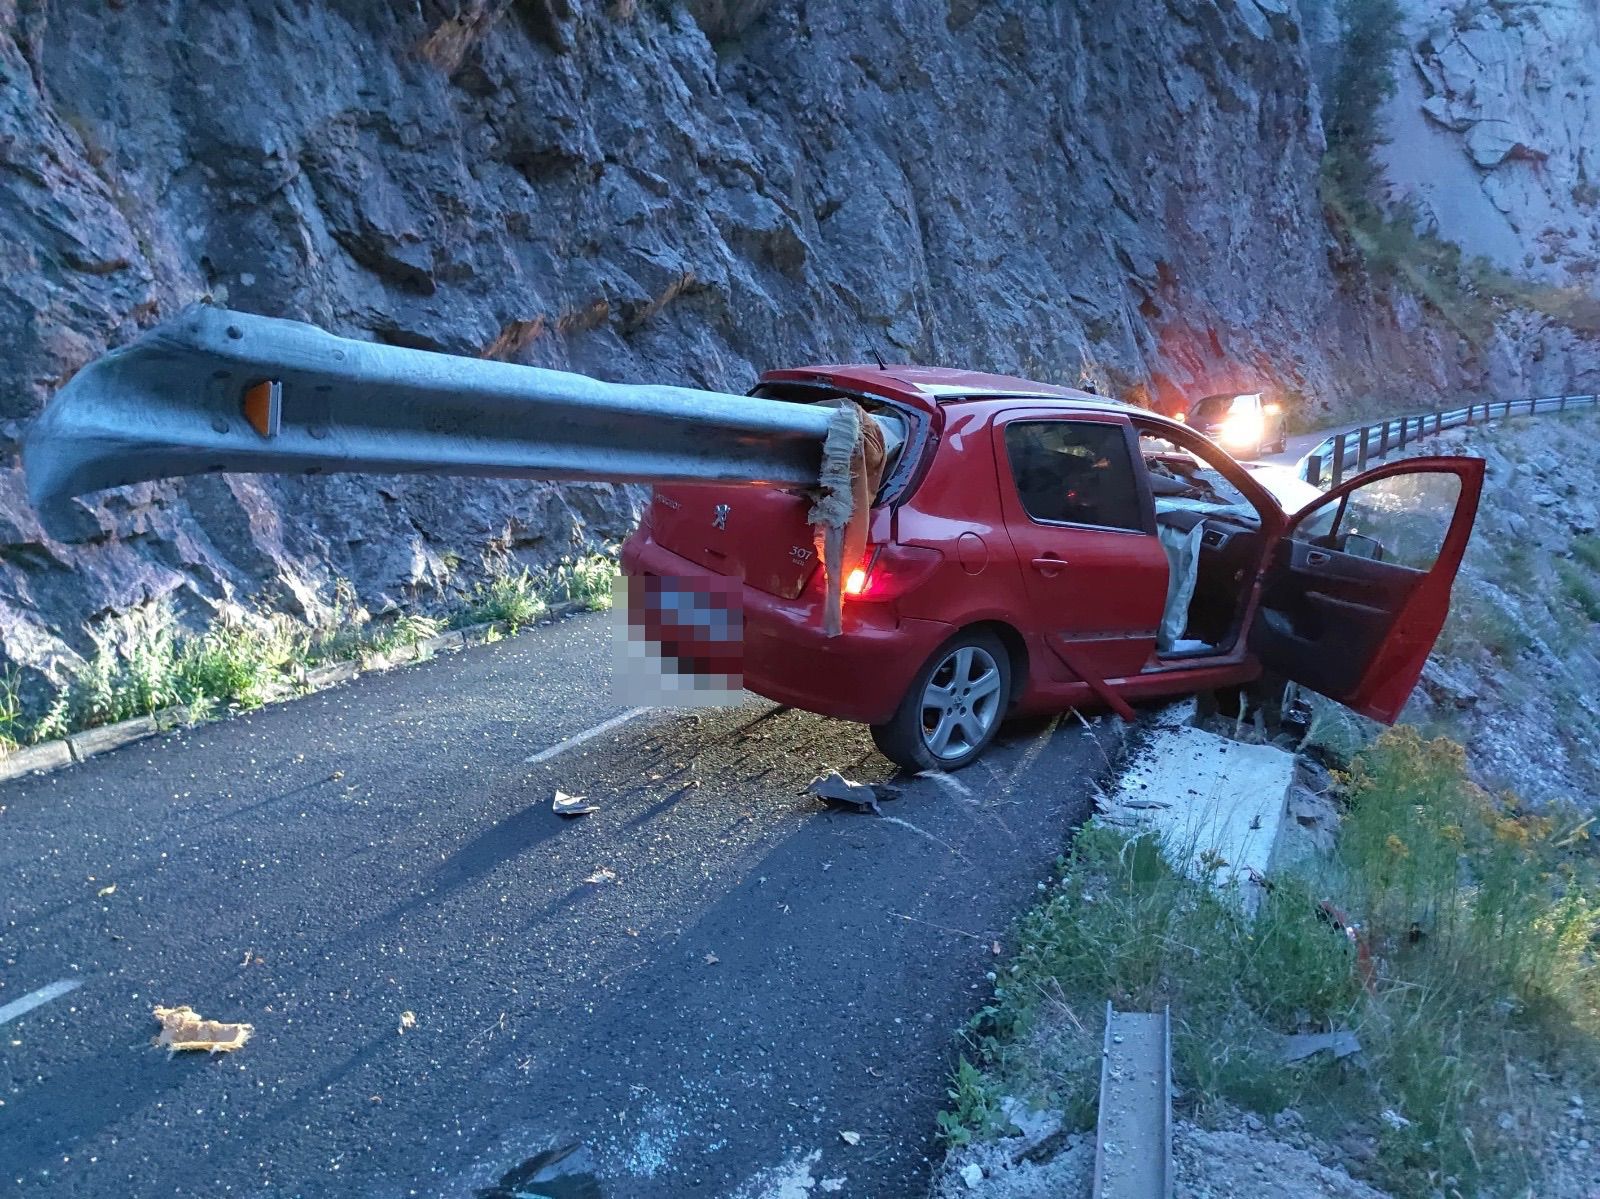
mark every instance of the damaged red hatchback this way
{"type": "Point", "coordinates": [1034, 548]}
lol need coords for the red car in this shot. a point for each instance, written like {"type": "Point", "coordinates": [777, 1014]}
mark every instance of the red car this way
{"type": "Point", "coordinates": [1033, 548]}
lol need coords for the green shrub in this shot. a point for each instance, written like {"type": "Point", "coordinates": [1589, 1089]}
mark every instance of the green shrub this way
{"type": "Point", "coordinates": [1476, 960]}
{"type": "Point", "coordinates": [586, 580]}
{"type": "Point", "coordinates": [1586, 549]}
{"type": "Point", "coordinates": [13, 718]}
{"type": "Point", "coordinates": [237, 663]}
{"type": "Point", "coordinates": [1580, 587]}
{"type": "Point", "coordinates": [513, 598]}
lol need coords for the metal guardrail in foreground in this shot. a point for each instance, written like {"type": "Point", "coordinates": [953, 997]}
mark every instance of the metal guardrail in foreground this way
{"type": "Point", "coordinates": [213, 390]}
{"type": "Point", "coordinates": [1350, 452]}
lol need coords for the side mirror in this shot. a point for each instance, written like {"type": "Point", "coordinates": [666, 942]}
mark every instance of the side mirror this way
{"type": "Point", "coordinates": [1356, 545]}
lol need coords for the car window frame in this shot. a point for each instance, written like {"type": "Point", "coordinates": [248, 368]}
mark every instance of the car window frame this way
{"type": "Point", "coordinates": [896, 488]}
{"type": "Point", "coordinates": [1144, 495]}
{"type": "Point", "coordinates": [1341, 506]}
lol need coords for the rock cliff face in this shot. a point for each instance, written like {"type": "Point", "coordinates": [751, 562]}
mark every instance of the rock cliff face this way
{"type": "Point", "coordinates": [1496, 132]}
{"type": "Point", "coordinates": [685, 192]}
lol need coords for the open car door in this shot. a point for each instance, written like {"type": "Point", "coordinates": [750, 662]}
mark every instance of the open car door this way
{"type": "Point", "coordinates": [1357, 586]}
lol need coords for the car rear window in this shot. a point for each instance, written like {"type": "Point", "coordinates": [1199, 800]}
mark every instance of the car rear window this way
{"type": "Point", "coordinates": [1074, 472]}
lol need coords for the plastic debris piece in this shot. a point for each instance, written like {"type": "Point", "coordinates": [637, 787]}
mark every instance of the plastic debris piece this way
{"type": "Point", "coordinates": [1341, 1043]}
{"type": "Point", "coordinates": [860, 797]}
{"type": "Point", "coordinates": [712, 959]}
{"type": "Point", "coordinates": [110, 889]}
{"type": "Point", "coordinates": [184, 1028]}
{"type": "Point", "coordinates": [603, 875]}
{"type": "Point", "coordinates": [972, 1175]}
{"type": "Point", "coordinates": [850, 1138]}
{"type": "Point", "coordinates": [407, 1020]}
{"type": "Point", "coordinates": [572, 805]}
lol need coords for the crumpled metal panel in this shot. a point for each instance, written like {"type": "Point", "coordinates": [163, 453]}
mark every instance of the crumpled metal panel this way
{"type": "Point", "coordinates": [173, 403]}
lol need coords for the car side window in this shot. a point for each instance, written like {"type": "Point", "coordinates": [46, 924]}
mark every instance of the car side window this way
{"type": "Point", "coordinates": [1074, 472]}
{"type": "Point", "coordinates": [1402, 519]}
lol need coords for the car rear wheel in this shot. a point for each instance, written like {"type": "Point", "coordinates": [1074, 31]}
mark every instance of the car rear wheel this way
{"type": "Point", "coordinates": [953, 708]}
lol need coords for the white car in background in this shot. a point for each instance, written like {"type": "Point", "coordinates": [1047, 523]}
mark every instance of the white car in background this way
{"type": "Point", "coordinates": [1246, 424]}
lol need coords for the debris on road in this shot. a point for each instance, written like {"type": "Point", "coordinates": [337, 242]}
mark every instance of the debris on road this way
{"type": "Point", "coordinates": [972, 1175]}
{"type": "Point", "coordinates": [860, 797]}
{"type": "Point", "coordinates": [408, 1019]}
{"type": "Point", "coordinates": [109, 889]}
{"type": "Point", "coordinates": [184, 1028]}
{"type": "Point", "coordinates": [850, 1138]}
{"type": "Point", "coordinates": [1341, 1043]}
{"type": "Point", "coordinates": [572, 805]}
{"type": "Point", "coordinates": [603, 875]}
{"type": "Point", "coordinates": [712, 959]}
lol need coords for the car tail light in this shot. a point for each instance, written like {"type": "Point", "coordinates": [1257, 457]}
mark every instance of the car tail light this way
{"type": "Point", "coordinates": [889, 571]}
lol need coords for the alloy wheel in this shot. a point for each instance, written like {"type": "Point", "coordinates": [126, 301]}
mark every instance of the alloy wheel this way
{"type": "Point", "coordinates": [961, 702]}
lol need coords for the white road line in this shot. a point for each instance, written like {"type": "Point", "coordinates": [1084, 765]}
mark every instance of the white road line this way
{"type": "Point", "coordinates": [561, 747]}
{"type": "Point", "coordinates": [21, 1007]}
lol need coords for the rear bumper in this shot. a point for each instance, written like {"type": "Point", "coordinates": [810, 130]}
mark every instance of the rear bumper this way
{"type": "Point", "coordinates": [860, 675]}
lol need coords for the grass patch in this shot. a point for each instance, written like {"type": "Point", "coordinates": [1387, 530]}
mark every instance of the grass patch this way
{"type": "Point", "coordinates": [1479, 968]}
{"type": "Point", "coordinates": [1579, 586]}
{"type": "Point", "coordinates": [14, 728]}
{"type": "Point", "coordinates": [143, 661]}
{"type": "Point", "coordinates": [512, 598]}
{"type": "Point", "coordinates": [1586, 549]}
{"type": "Point", "coordinates": [1477, 622]}
{"type": "Point", "coordinates": [586, 581]}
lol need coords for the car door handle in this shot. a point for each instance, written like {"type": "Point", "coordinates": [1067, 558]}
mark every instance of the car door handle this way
{"type": "Point", "coordinates": [1049, 564]}
{"type": "Point", "coordinates": [1318, 557]}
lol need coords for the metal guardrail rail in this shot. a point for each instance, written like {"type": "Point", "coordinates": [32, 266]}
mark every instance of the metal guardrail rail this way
{"type": "Point", "coordinates": [1133, 1137]}
{"type": "Point", "coordinates": [214, 390]}
{"type": "Point", "coordinates": [1350, 452]}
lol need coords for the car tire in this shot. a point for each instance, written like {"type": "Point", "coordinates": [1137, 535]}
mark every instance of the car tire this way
{"type": "Point", "coordinates": [943, 695]}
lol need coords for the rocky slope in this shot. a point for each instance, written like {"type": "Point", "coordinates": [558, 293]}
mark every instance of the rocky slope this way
{"type": "Point", "coordinates": [1514, 674]}
{"type": "Point", "coordinates": [686, 192]}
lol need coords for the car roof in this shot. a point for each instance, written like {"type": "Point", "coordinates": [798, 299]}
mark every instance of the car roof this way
{"type": "Point", "coordinates": [943, 385]}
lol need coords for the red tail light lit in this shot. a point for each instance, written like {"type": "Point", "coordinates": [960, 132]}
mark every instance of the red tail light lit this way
{"type": "Point", "coordinates": [889, 571]}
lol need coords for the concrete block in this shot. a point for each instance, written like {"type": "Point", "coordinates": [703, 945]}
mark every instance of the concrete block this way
{"type": "Point", "coordinates": [49, 755]}
{"type": "Point", "coordinates": [1210, 800]}
{"type": "Point", "coordinates": [333, 672]}
{"type": "Point", "coordinates": [111, 736]}
{"type": "Point", "coordinates": [444, 641]}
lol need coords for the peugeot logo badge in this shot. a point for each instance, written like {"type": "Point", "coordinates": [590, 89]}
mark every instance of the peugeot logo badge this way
{"type": "Point", "coordinates": [719, 518]}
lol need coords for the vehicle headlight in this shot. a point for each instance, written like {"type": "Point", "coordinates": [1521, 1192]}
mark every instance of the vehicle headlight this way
{"type": "Point", "coordinates": [1243, 428]}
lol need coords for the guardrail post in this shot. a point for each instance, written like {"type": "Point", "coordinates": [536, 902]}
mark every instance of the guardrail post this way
{"type": "Point", "coordinates": [1469, 415]}
{"type": "Point", "coordinates": [1338, 461]}
{"type": "Point", "coordinates": [1438, 421]}
{"type": "Point", "coordinates": [1562, 406]}
{"type": "Point", "coordinates": [1313, 471]}
{"type": "Point", "coordinates": [1383, 439]}
{"type": "Point", "coordinates": [1361, 450]}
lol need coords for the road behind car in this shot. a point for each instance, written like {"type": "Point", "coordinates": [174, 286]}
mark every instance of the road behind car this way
{"type": "Point", "coordinates": [701, 985]}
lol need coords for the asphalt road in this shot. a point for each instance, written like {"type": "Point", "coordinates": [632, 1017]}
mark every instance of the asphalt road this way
{"type": "Point", "coordinates": [754, 975]}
